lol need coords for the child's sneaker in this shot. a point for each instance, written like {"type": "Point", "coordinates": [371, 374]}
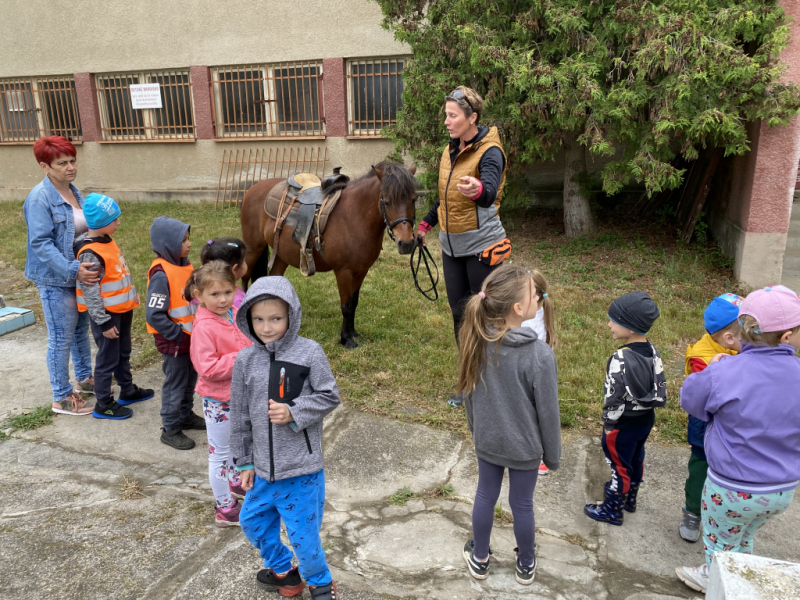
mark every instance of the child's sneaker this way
{"type": "Point", "coordinates": [73, 405]}
{"type": "Point", "coordinates": [113, 411]}
{"type": "Point", "coordinates": [177, 439]}
{"type": "Point", "coordinates": [543, 470]}
{"type": "Point", "coordinates": [193, 422]}
{"type": "Point", "coordinates": [695, 577]}
{"type": "Point", "coordinates": [479, 570]}
{"type": "Point", "coordinates": [324, 592]}
{"type": "Point", "coordinates": [690, 526]}
{"type": "Point", "coordinates": [236, 490]}
{"type": "Point", "coordinates": [228, 516]}
{"type": "Point", "coordinates": [137, 395]}
{"type": "Point", "coordinates": [524, 575]}
{"type": "Point", "coordinates": [288, 585]}
{"type": "Point", "coordinates": [85, 387]}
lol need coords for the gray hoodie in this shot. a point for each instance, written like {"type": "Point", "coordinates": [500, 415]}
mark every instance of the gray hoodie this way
{"type": "Point", "coordinates": [279, 451]}
{"type": "Point", "coordinates": [513, 412]}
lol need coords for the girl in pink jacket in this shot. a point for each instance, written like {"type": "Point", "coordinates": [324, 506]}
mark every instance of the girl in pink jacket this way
{"type": "Point", "coordinates": [215, 343]}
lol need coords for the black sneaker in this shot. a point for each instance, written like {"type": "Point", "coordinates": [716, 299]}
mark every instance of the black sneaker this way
{"type": "Point", "coordinates": [289, 585]}
{"type": "Point", "coordinates": [177, 439]}
{"type": "Point", "coordinates": [479, 570]}
{"type": "Point", "coordinates": [324, 592]}
{"type": "Point", "coordinates": [524, 575]}
{"type": "Point", "coordinates": [113, 411]}
{"type": "Point", "coordinates": [137, 395]}
{"type": "Point", "coordinates": [193, 422]}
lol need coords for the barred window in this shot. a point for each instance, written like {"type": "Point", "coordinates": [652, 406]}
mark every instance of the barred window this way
{"type": "Point", "coordinates": [121, 122]}
{"type": "Point", "coordinates": [269, 100]}
{"type": "Point", "coordinates": [32, 107]}
{"type": "Point", "coordinates": [375, 90]}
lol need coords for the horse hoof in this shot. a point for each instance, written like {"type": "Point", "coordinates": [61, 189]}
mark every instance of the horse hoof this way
{"type": "Point", "coordinates": [349, 343]}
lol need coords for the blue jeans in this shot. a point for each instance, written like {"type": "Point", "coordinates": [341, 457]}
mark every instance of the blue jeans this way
{"type": "Point", "coordinates": [67, 333]}
{"type": "Point", "coordinates": [300, 502]}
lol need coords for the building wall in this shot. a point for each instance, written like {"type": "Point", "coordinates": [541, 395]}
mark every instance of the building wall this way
{"type": "Point", "coordinates": [51, 37]}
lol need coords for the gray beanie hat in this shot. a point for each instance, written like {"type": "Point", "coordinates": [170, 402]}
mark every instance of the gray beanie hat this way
{"type": "Point", "coordinates": [635, 311]}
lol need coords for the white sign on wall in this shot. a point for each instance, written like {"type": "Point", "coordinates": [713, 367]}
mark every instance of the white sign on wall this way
{"type": "Point", "coordinates": [145, 95]}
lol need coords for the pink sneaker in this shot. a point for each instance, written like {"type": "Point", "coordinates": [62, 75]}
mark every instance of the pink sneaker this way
{"type": "Point", "coordinates": [236, 490]}
{"type": "Point", "coordinates": [229, 516]}
{"type": "Point", "coordinates": [543, 470]}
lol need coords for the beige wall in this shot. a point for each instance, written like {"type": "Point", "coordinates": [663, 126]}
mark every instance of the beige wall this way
{"type": "Point", "coordinates": [188, 172]}
{"type": "Point", "coordinates": [49, 37]}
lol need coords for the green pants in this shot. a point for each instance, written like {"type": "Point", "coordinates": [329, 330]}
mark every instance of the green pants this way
{"type": "Point", "coordinates": [694, 483]}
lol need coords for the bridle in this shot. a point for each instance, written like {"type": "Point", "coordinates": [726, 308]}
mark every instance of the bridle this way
{"type": "Point", "coordinates": [395, 223]}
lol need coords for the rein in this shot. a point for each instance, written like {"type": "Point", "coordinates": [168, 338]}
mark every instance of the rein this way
{"type": "Point", "coordinates": [422, 253]}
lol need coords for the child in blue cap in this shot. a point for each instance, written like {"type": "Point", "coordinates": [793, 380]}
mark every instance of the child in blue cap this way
{"type": "Point", "coordinates": [110, 303]}
{"type": "Point", "coordinates": [722, 337]}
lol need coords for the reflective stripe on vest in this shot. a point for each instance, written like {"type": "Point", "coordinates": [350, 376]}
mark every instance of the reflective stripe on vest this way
{"type": "Point", "coordinates": [180, 311]}
{"type": "Point", "coordinates": [116, 288]}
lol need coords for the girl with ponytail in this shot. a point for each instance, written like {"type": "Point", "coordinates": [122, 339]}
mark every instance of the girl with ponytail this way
{"type": "Point", "coordinates": [509, 380]}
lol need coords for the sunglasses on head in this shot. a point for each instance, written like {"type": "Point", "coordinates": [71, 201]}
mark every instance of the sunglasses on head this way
{"type": "Point", "coordinates": [459, 95]}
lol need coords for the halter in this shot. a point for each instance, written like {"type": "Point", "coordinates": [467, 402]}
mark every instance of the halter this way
{"type": "Point", "coordinates": [395, 223]}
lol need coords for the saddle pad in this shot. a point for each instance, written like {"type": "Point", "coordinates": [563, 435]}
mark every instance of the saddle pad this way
{"type": "Point", "coordinates": [304, 181]}
{"type": "Point", "coordinates": [273, 202]}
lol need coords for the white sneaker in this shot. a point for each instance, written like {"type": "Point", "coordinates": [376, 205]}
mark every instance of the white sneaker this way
{"type": "Point", "coordinates": [695, 577]}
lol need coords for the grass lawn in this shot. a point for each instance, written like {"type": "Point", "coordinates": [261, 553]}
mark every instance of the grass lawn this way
{"type": "Point", "coordinates": [406, 363]}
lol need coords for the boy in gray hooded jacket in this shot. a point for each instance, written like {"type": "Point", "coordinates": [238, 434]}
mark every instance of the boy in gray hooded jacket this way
{"type": "Point", "coordinates": [282, 388]}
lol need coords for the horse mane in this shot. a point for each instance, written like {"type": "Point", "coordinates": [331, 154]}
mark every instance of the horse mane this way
{"type": "Point", "coordinates": [398, 182]}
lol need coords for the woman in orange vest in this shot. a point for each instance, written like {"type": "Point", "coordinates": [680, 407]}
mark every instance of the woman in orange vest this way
{"type": "Point", "coordinates": [471, 180]}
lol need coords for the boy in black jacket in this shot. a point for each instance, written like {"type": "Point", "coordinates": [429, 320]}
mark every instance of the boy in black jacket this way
{"type": "Point", "coordinates": [634, 385]}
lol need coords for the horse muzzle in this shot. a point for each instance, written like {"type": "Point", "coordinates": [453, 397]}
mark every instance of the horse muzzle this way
{"type": "Point", "coordinates": [405, 247]}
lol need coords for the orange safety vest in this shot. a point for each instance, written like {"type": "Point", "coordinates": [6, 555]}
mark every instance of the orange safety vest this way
{"type": "Point", "coordinates": [180, 311]}
{"type": "Point", "coordinates": [116, 287]}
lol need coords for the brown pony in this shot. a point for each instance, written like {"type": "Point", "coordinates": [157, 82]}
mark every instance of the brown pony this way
{"type": "Point", "coordinates": [383, 199]}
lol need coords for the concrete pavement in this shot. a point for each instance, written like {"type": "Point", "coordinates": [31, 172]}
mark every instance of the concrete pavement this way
{"type": "Point", "coordinates": [67, 531]}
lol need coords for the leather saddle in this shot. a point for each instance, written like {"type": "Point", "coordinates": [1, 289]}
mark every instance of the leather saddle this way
{"type": "Point", "coordinates": [303, 202]}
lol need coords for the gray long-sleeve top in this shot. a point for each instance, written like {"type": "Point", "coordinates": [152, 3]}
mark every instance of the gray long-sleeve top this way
{"type": "Point", "coordinates": [91, 292]}
{"type": "Point", "coordinates": [513, 412]}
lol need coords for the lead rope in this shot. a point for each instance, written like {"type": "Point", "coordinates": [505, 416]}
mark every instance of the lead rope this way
{"type": "Point", "coordinates": [423, 254]}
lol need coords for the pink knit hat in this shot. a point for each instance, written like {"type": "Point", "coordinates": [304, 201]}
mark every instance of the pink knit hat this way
{"type": "Point", "coordinates": [776, 308]}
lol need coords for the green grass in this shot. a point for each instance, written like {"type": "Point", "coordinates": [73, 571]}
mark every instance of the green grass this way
{"type": "Point", "coordinates": [405, 365]}
{"type": "Point", "coordinates": [33, 419]}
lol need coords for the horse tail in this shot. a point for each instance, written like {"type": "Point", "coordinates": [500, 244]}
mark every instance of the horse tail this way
{"type": "Point", "coordinates": [260, 268]}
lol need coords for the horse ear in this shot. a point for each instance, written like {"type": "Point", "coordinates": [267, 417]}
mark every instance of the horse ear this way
{"type": "Point", "coordinates": [378, 172]}
{"type": "Point", "coordinates": [413, 169]}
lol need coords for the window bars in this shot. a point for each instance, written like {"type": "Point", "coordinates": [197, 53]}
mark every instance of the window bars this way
{"type": "Point", "coordinates": [241, 169]}
{"type": "Point", "coordinates": [32, 107]}
{"type": "Point", "coordinates": [375, 90]}
{"type": "Point", "coordinates": [268, 101]}
{"type": "Point", "coordinates": [121, 122]}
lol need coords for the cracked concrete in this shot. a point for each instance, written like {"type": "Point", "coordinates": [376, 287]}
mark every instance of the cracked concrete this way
{"type": "Point", "coordinates": [66, 534]}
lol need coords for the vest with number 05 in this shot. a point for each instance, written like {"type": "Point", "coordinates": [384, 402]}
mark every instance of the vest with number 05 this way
{"type": "Point", "coordinates": [180, 311]}
{"type": "Point", "coordinates": [116, 288]}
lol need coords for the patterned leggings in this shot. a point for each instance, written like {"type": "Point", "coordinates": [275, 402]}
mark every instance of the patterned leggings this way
{"type": "Point", "coordinates": [220, 463]}
{"type": "Point", "coordinates": [731, 519]}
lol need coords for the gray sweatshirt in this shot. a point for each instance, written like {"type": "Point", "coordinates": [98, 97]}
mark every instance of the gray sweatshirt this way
{"type": "Point", "coordinates": [513, 412]}
{"type": "Point", "coordinates": [279, 451]}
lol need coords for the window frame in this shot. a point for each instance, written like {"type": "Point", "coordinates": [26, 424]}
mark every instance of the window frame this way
{"type": "Point", "coordinates": [353, 131]}
{"type": "Point", "coordinates": [267, 90]}
{"type": "Point", "coordinates": [51, 115]}
{"type": "Point", "coordinates": [147, 126]}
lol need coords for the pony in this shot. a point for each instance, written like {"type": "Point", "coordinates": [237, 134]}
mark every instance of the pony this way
{"type": "Point", "coordinates": [382, 199]}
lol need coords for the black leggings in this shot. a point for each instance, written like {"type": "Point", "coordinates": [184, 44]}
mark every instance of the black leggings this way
{"type": "Point", "coordinates": [463, 277]}
{"type": "Point", "coordinates": [520, 499]}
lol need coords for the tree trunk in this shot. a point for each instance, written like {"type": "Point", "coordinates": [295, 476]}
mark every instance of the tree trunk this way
{"type": "Point", "coordinates": [578, 219]}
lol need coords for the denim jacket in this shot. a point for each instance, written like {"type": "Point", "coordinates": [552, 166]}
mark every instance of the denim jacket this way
{"type": "Point", "coordinates": [50, 257]}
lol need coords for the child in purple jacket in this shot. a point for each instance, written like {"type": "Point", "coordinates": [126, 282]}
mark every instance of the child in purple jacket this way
{"type": "Point", "coordinates": [752, 440]}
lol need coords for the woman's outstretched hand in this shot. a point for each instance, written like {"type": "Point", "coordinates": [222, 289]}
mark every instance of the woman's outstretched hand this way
{"type": "Point", "coordinates": [87, 275]}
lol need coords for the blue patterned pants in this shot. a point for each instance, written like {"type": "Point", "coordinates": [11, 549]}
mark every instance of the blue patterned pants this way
{"type": "Point", "coordinates": [731, 519]}
{"type": "Point", "coordinates": [300, 502]}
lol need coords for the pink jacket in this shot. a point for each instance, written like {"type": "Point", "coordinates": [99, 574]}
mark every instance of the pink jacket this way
{"type": "Point", "coordinates": [215, 344]}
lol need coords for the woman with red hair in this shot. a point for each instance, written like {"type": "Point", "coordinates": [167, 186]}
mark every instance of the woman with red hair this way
{"type": "Point", "coordinates": [54, 217]}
